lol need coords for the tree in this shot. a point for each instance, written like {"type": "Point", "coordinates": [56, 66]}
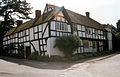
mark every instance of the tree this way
{"type": "Point", "coordinates": [67, 44]}
{"type": "Point", "coordinates": [9, 11]}
{"type": "Point", "coordinates": [118, 26]}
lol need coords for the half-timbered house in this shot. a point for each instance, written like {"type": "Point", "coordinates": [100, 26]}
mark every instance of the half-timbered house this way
{"type": "Point", "coordinates": [57, 21]}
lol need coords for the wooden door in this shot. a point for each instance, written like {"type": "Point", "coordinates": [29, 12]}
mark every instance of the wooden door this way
{"type": "Point", "coordinates": [28, 52]}
{"type": "Point", "coordinates": [98, 47]}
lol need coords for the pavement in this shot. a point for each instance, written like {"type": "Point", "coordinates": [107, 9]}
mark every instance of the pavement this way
{"type": "Point", "coordinates": [107, 66]}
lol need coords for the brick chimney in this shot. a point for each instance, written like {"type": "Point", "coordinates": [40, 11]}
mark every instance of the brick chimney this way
{"type": "Point", "coordinates": [19, 22]}
{"type": "Point", "coordinates": [88, 14]}
{"type": "Point", "coordinates": [37, 13]}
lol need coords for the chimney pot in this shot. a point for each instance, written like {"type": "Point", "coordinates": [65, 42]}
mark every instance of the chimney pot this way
{"type": "Point", "coordinates": [88, 14]}
{"type": "Point", "coordinates": [37, 13]}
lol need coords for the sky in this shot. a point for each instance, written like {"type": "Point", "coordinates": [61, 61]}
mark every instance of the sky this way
{"type": "Point", "coordinates": [103, 11]}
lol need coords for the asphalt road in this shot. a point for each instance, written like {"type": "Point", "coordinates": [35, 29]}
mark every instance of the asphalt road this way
{"type": "Point", "coordinates": [108, 66]}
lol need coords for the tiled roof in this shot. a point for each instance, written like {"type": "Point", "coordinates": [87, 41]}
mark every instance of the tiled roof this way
{"type": "Point", "coordinates": [83, 20]}
{"type": "Point", "coordinates": [36, 21]}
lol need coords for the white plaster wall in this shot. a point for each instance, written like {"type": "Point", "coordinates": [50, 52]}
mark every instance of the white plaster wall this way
{"type": "Point", "coordinates": [69, 28]}
{"type": "Point", "coordinates": [109, 35]}
{"type": "Point", "coordinates": [40, 27]}
{"type": "Point", "coordinates": [52, 26]}
{"type": "Point", "coordinates": [32, 50]}
{"type": "Point", "coordinates": [50, 47]}
{"type": "Point", "coordinates": [46, 33]}
{"type": "Point", "coordinates": [43, 26]}
{"type": "Point", "coordinates": [35, 43]}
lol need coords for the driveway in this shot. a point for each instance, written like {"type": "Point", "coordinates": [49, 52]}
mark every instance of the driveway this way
{"type": "Point", "coordinates": [108, 66]}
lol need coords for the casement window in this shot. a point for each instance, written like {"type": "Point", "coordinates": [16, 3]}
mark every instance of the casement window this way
{"type": "Point", "coordinates": [80, 33]}
{"type": "Point", "coordinates": [87, 30]}
{"type": "Point", "coordinates": [61, 26]}
{"type": "Point", "coordinates": [19, 34]}
{"type": "Point", "coordinates": [35, 29]}
{"type": "Point", "coordinates": [75, 27]}
{"type": "Point", "coordinates": [102, 32]}
{"type": "Point", "coordinates": [16, 34]}
{"type": "Point", "coordinates": [36, 32]}
{"type": "Point", "coordinates": [93, 30]}
{"type": "Point", "coordinates": [16, 39]}
{"type": "Point", "coordinates": [83, 28]}
{"type": "Point", "coordinates": [96, 32]}
{"type": "Point", "coordinates": [83, 34]}
{"type": "Point", "coordinates": [57, 26]}
{"type": "Point", "coordinates": [19, 40]}
{"type": "Point", "coordinates": [36, 36]}
{"type": "Point", "coordinates": [79, 27]}
{"type": "Point", "coordinates": [64, 26]}
{"type": "Point", "coordinates": [94, 44]}
{"type": "Point", "coordinates": [23, 33]}
{"type": "Point", "coordinates": [27, 38]}
{"type": "Point", "coordinates": [90, 43]}
{"type": "Point", "coordinates": [27, 33]}
{"type": "Point", "coordinates": [63, 19]}
{"type": "Point", "coordinates": [104, 35]}
{"type": "Point", "coordinates": [24, 39]}
{"type": "Point", "coordinates": [53, 25]}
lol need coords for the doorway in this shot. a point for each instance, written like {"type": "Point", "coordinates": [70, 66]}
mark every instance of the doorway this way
{"type": "Point", "coordinates": [28, 52]}
{"type": "Point", "coordinates": [98, 46]}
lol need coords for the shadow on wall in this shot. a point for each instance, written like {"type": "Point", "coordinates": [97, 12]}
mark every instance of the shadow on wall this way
{"type": "Point", "coordinates": [47, 65]}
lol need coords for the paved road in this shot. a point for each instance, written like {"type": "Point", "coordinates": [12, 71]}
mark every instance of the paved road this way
{"type": "Point", "coordinates": [108, 66]}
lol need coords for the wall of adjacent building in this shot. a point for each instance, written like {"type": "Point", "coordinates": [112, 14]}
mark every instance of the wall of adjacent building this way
{"type": "Point", "coordinates": [109, 37]}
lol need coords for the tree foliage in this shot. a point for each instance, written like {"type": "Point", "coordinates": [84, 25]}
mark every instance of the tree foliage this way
{"type": "Point", "coordinates": [118, 26]}
{"type": "Point", "coordinates": [10, 10]}
{"type": "Point", "coordinates": [67, 44]}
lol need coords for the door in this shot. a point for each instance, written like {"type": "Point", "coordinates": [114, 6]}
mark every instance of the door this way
{"type": "Point", "coordinates": [98, 47]}
{"type": "Point", "coordinates": [28, 52]}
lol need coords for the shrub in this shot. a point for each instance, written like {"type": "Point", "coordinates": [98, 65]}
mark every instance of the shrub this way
{"type": "Point", "coordinates": [94, 54]}
{"type": "Point", "coordinates": [67, 44]}
{"type": "Point", "coordinates": [35, 55]}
